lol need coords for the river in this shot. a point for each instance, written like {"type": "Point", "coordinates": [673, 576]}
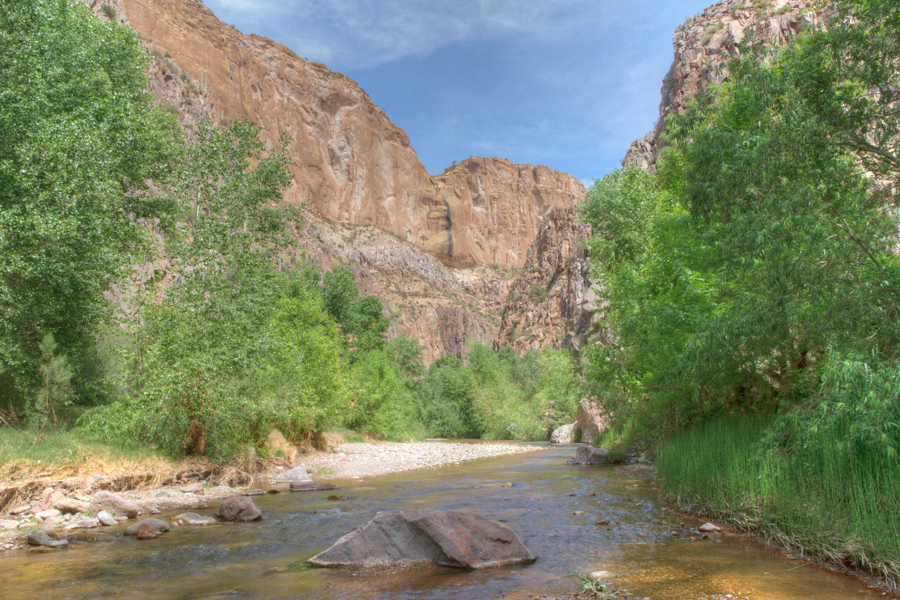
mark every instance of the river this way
{"type": "Point", "coordinates": [266, 560]}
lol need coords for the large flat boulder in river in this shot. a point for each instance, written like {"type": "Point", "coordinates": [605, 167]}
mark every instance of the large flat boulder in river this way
{"type": "Point", "coordinates": [447, 538]}
{"type": "Point", "coordinates": [589, 455]}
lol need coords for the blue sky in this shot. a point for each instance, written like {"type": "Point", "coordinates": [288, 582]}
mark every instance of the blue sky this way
{"type": "Point", "coordinates": [565, 83]}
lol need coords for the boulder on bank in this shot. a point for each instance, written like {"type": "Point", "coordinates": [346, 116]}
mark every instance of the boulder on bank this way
{"type": "Point", "coordinates": [114, 503]}
{"type": "Point", "coordinates": [589, 455]}
{"type": "Point", "coordinates": [563, 435]}
{"type": "Point", "coordinates": [239, 508]}
{"type": "Point", "coordinates": [590, 421]}
{"type": "Point", "coordinates": [158, 524]}
{"type": "Point", "coordinates": [295, 474]}
{"type": "Point", "coordinates": [41, 538]}
{"type": "Point", "coordinates": [447, 538]}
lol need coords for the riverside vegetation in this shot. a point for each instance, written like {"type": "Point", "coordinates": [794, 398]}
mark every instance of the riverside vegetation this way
{"type": "Point", "coordinates": [224, 332]}
{"type": "Point", "coordinates": [753, 284]}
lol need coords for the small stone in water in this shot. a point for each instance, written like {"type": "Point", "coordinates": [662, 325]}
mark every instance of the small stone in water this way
{"type": "Point", "coordinates": [578, 512]}
{"type": "Point", "coordinates": [599, 575]}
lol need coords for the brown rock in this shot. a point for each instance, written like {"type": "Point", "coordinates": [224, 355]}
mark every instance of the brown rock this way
{"type": "Point", "coordinates": [147, 532]}
{"type": "Point", "coordinates": [590, 421]}
{"type": "Point", "coordinates": [157, 525]}
{"type": "Point", "coordinates": [446, 538]}
{"type": "Point", "coordinates": [70, 505]}
{"type": "Point", "coordinates": [239, 508]}
{"type": "Point", "coordinates": [108, 501]}
{"type": "Point", "coordinates": [194, 488]}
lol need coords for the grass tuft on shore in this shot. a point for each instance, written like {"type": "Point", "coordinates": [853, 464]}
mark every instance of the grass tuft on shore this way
{"type": "Point", "coordinates": [826, 501]}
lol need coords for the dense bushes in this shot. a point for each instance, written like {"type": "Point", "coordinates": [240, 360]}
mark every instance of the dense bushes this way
{"type": "Point", "coordinates": [753, 284]}
{"type": "Point", "coordinates": [499, 395]}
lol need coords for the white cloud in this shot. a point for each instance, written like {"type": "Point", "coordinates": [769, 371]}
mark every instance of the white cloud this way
{"type": "Point", "coordinates": [360, 33]}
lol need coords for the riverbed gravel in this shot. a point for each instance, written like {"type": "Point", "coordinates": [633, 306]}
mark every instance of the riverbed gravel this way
{"type": "Point", "coordinates": [359, 460]}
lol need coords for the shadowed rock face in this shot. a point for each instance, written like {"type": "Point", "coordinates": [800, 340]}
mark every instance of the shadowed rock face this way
{"type": "Point", "coordinates": [553, 302]}
{"type": "Point", "coordinates": [446, 538]}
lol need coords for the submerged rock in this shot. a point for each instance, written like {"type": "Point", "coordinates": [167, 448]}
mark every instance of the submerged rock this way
{"type": "Point", "coordinates": [447, 538]}
{"type": "Point", "coordinates": [312, 486]}
{"type": "Point", "coordinates": [239, 508]}
{"type": "Point", "coordinates": [189, 518]}
{"type": "Point", "coordinates": [589, 455]}
{"type": "Point", "coordinates": [563, 435]}
{"type": "Point", "coordinates": [42, 538]}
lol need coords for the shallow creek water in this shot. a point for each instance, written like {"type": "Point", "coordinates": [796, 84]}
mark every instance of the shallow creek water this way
{"type": "Point", "coordinates": [265, 560]}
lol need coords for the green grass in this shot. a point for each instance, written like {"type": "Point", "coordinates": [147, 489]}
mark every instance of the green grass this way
{"type": "Point", "coordinates": [825, 500]}
{"type": "Point", "coordinates": [58, 448]}
{"type": "Point", "coordinates": [22, 456]}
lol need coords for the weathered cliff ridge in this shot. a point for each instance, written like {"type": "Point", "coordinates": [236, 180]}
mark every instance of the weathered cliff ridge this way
{"type": "Point", "coordinates": [703, 45]}
{"type": "Point", "coordinates": [351, 162]}
{"type": "Point", "coordinates": [372, 206]}
{"type": "Point", "coordinates": [553, 302]}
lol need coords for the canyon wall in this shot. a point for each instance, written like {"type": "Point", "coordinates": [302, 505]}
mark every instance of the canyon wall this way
{"type": "Point", "coordinates": [352, 163]}
{"type": "Point", "coordinates": [553, 301]}
{"type": "Point", "coordinates": [703, 45]}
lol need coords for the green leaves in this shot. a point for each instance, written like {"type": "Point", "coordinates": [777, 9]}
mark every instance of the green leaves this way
{"type": "Point", "coordinates": [757, 247]}
{"type": "Point", "coordinates": [77, 132]}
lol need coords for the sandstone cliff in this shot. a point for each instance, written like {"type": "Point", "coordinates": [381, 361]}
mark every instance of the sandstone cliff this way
{"type": "Point", "coordinates": [372, 205]}
{"type": "Point", "coordinates": [703, 45]}
{"type": "Point", "coordinates": [494, 209]}
{"type": "Point", "coordinates": [351, 162]}
{"type": "Point", "coordinates": [554, 302]}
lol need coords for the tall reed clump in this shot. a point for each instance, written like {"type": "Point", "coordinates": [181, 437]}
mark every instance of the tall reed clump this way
{"type": "Point", "coordinates": [824, 500]}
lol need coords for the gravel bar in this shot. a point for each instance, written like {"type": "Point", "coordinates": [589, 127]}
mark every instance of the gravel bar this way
{"type": "Point", "coordinates": [358, 460]}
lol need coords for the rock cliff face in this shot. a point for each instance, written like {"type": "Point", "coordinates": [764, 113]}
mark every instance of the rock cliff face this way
{"type": "Point", "coordinates": [553, 303]}
{"type": "Point", "coordinates": [702, 46]}
{"type": "Point", "coordinates": [372, 206]}
{"type": "Point", "coordinates": [351, 162]}
{"type": "Point", "coordinates": [444, 308]}
{"type": "Point", "coordinates": [494, 209]}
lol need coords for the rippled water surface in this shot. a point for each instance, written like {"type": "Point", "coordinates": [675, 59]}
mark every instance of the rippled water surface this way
{"type": "Point", "coordinates": [265, 560]}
